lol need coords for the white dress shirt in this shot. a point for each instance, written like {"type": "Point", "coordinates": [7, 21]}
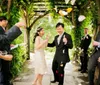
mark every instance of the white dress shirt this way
{"type": "Point", "coordinates": [59, 38]}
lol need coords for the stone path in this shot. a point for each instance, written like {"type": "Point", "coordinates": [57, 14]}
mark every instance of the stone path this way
{"type": "Point", "coordinates": [72, 76]}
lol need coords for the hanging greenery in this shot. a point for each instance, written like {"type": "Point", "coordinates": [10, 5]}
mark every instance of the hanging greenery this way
{"type": "Point", "coordinates": [18, 60]}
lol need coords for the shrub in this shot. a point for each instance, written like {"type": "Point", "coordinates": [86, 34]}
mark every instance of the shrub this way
{"type": "Point", "coordinates": [18, 60]}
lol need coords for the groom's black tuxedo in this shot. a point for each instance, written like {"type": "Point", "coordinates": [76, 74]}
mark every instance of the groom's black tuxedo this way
{"type": "Point", "coordinates": [61, 56]}
{"type": "Point", "coordinates": [61, 53]}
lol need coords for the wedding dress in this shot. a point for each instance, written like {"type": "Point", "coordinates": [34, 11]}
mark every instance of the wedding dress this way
{"type": "Point", "coordinates": [40, 62]}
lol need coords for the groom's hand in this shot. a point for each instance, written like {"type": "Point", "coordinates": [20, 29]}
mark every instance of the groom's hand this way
{"type": "Point", "coordinates": [65, 40]}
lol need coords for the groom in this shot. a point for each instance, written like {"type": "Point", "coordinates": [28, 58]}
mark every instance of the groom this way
{"type": "Point", "coordinates": [63, 42]}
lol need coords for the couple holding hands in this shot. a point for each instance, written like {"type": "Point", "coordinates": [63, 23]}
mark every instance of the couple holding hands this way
{"type": "Point", "coordinates": [62, 42]}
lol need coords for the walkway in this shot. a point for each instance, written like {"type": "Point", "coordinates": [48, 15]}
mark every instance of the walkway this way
{"type": "Point", "coordinates": [72, 76]}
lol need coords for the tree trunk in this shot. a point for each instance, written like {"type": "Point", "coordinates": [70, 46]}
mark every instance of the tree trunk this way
{"type": "Point", "coordinates": [27, 41]}
{"type": "Point", "coordinates": [8, 12]}
{"type": "Point", "coordinates": [9, 5]}
{"type": "Point", "coordinates": [73, 18]}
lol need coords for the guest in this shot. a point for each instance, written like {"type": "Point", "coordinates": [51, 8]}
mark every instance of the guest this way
{"type": "Point", "coordinates": [93, 61]}
{"type": "Point", "coordinates": [85, 42]}
{"type": "Point", "coordinates": [5, 39]}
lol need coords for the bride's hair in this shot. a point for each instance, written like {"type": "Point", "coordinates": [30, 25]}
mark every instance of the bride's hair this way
{"type": "Point", "coordinates": [36, 34]}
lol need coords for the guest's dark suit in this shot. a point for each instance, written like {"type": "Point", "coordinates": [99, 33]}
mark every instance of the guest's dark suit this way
{"type": "Point", "coordinates": [61, 56]}
{"type": "Point", "coordinates": [85, 42]}
{"type": "Point", "coordinates": [5, 39]}
{"type": "Point", "coordinates": [93, 62]}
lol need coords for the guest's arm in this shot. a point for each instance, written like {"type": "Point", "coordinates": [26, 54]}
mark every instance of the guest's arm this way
{"type": "Point", "coordinates": [14, 31]}
{"type": "Point", "coordinates": [6, 57]}
{"type": "Point", "coordinates": [96, 44]}
{"type": "Point", "coordinates": [11, 34]}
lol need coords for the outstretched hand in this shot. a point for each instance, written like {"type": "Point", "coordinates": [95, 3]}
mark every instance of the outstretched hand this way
{"type": "Point", "coordinates": [20, 24]}
{"type": "Point", "coordinates": [47, 37]}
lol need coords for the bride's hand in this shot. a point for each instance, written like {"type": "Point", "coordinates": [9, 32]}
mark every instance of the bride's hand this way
{"type": "Point", "coordinates": [47, 37]}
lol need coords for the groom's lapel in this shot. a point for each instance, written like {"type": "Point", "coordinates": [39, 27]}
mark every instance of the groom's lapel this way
{"type": "Point", "coordinates": [61, 40]}
{"type": "Point", "coordinates": [57, 40]}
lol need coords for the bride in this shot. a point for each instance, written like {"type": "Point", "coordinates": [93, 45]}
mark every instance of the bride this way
{"type": "Point", "coordinates": [40, 62]}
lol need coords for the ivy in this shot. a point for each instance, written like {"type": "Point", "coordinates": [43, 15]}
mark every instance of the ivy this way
{"type": "Point", "coordinates": [18, 60]}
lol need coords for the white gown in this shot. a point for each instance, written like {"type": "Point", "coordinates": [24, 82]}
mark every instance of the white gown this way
{"type": "Point", "coordinates": [40, 62]}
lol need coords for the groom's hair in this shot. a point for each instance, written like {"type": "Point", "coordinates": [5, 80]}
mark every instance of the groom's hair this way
{"type": "Point", "coordinates": [59, 23]}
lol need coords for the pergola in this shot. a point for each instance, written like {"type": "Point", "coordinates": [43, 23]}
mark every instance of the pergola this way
{"type": "Point", "coordinates": [41, 6]}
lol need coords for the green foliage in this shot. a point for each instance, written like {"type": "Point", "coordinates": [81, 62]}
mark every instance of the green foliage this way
{"type": "Point", "coordinates": [76, 34]}
{"type": "Point", "coordinates": [88, 22]}
{"type": "Point", "coordinates": [50, 4]}
{"type": "Point", "coordinates": [76, 54]}
{"type": "Point", "coordinates": [18, 60]}
{"type": "Point", "coordinates": [94, 12]}
{"type": "Point", "coordinates": [3, 6]}
{"type": "Point", "coordinates": [19, 54]}
{"type": "Point", "coordinates": [14, 16]}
